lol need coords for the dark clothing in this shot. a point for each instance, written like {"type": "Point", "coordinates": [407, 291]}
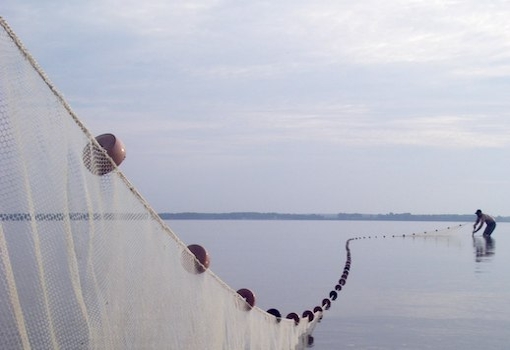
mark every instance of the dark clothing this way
{"type": "Point", "coordinates": [491, 225]}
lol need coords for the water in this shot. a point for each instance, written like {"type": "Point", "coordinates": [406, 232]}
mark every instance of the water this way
{"type": "Point", "coordinates": [440, 290]}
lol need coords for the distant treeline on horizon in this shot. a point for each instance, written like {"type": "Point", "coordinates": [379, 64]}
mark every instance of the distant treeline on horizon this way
{"type": "Point", "coordinates": [340, 216]}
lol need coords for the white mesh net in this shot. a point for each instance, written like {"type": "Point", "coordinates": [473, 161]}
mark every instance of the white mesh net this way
{"type": "Point", "coordinates": [85, 263]}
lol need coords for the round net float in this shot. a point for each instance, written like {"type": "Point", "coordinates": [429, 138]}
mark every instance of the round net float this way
{"type": "Point", "coordinates": [96, 161]}
{"type": "Point", "coordinates": [294, 316]}
{"type": "Point", "coordinates": [317, 309]}
{"type": "Point", "coordinates": [342, 281]}
{"type": "Point", "coordinates": [198, 262]}
{"type": "Point", "coordinates": [333, 295]}
{"type": "Point", "coordinates": [326, 303]}
{"type": "Point", "coordinates": [338, 287]}
{"type": "Point", "coordinates": [113, 146]}
{"type": "Point", "coordinates": [308, 314]}
{"type": "Point", "coordinates": [276, 314]}
{"type": "Point", "coordinates": [248, 297]}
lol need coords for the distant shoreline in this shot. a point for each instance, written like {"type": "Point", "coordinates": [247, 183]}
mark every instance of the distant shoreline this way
{"type": "Point", "coordinates": [338, 217]}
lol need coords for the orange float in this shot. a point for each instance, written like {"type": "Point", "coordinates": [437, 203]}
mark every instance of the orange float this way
{"type": "Point", "coordinates": [95, 159]}
{"type": "Point", "coordinates": [201, 261]}
{"type": "Point", "coordinates": [294, 316]}
{"type": "Point", "coordinates": [248, 297]}
{"type": "Point", "coordinates": [308, 314]}
{"type": "Point", "coordinates": [202, 257]}
{"type": "Point", "coordinates": [276, 314]}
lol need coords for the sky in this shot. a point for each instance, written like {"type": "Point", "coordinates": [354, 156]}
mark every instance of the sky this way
{"type": "Point", "coordinates": [289, 106]}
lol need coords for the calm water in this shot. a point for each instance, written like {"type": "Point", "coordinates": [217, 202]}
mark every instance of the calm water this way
{"type": "Point", "coordinates": [440, 290]}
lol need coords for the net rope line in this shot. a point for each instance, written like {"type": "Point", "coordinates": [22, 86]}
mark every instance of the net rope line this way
{"type": "Point", "coordinates": [434, 233]}
{"type": "Point", "coordinates": [425, 234]}
{"type": "Point", "coordinates": [36, 221]}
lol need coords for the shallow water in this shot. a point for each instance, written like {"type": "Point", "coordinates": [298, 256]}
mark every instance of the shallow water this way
{"type": "Point", "coordinates": [434, 290]}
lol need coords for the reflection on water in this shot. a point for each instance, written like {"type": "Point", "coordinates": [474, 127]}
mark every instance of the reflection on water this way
{"type": "Point", "coordinates": [484, 248]}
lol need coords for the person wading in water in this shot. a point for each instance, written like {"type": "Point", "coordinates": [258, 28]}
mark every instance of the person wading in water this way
{"type": "Point", "coordinates": [488, 220]}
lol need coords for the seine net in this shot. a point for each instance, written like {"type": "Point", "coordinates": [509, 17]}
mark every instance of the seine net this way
{"type": "Point", "coordinates": [85, 263]}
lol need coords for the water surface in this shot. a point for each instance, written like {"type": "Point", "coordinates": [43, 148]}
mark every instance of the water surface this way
{"type": "Point", "coordinates": [433, 290]}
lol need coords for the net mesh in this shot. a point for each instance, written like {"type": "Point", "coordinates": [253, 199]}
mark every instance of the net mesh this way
{"type": "Point", "coordinates": [85, 263]}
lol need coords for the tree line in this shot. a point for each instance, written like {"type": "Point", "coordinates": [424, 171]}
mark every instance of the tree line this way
{"type": "Point", "coordinates": [339, 216]}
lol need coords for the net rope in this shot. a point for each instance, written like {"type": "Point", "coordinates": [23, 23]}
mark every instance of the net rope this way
{"type": "Point", "coordinates": [85, 262]}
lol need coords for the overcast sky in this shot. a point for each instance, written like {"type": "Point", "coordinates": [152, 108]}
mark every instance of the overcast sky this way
{"type": "Point", "coordinates": [290, 105]}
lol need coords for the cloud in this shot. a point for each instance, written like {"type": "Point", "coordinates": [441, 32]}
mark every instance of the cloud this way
{"type": "Point", "coordinates": [251, 132]}
{"type": "Point", "coordinates": [406, 31]}
{"type": "Point", "coordinates": [438, 131]}
{"type": "Point", "coordinates": [182, 48]}
{"type": "Point", "coordinates": [367, 32]}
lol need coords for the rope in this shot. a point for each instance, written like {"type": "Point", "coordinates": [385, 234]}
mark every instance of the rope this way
{"type": "Point", "coordinates": [318, 311]}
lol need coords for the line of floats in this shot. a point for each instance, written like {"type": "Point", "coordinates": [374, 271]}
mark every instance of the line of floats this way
{"type": "Point", "coordinates": [201, 264]}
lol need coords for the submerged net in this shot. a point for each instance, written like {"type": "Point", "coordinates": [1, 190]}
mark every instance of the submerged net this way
{"type": "Point", "coordinates": [85, 263]}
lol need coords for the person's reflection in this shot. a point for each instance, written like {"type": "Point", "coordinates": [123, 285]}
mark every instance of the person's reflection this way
{"type": "Point", "coordinates": [484, 248]}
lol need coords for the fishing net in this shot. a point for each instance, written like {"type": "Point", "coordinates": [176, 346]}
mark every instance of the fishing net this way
{"type": "Point", "coordinates": [85, 263]}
